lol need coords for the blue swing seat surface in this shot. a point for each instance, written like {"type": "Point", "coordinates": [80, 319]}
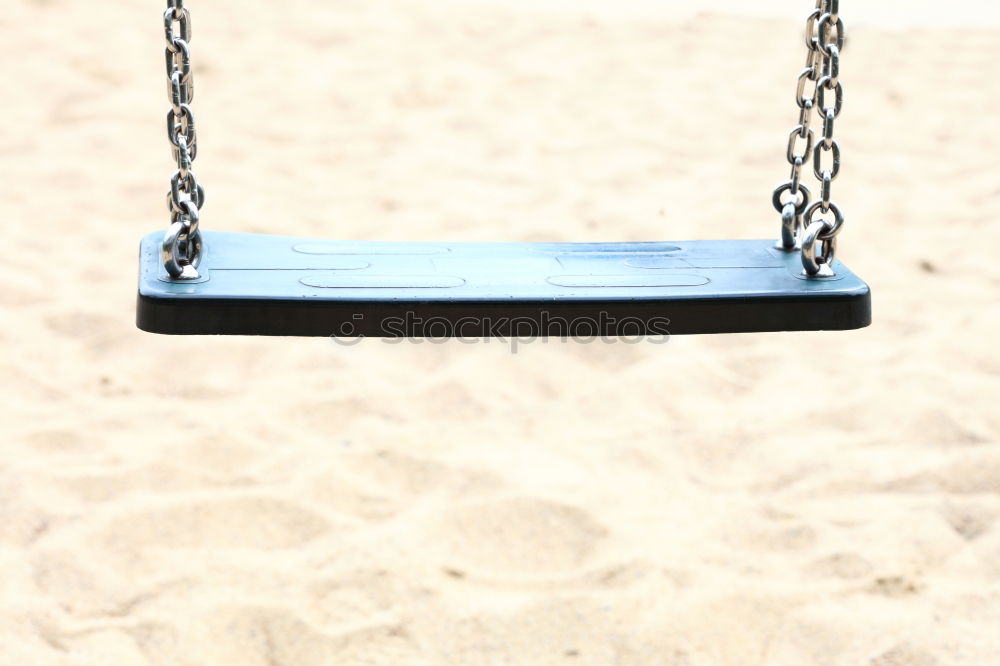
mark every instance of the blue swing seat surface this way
{"type": "Point", "coordinates": [255, 284]}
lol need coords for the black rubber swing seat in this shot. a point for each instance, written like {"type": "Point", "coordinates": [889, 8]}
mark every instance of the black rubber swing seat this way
{"type": "Point", "coordinates": [254, 284]}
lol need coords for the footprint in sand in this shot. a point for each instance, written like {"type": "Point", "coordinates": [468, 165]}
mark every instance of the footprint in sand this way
{"type": "Point", "coordinates": [84, 586]}
{"type": "Point", "coordinates": [970, 522]}
{"type": "Point", "coordinates": [848, 566]}
{"type": "Point", "coordinates": [88, 327]}
{"type": "Point", "coordinates": [404, 475]}
{"type": "Point", "coordinates": [519, 535]}
{"type": "Point", "coordinates": [32, 387]}
{"type": "Point", "coordinates": [263, 635]}
{"type": "Point", "coordinates": [377, 486]}
{"type": "Point", "coordinates": [836, 633]}
{"type": "Point", "coordinates": [106, 486]}
{"type": "Point", "coordinates": [124, 566]}
{"type": "Point", "coordinates": [56, 441]}
{"type": "Point", "coordinates": [352, 596]}
{"type": "Point", "coordinates": [973, 474]}
{"type": "Point", "coordinates": [454, 401]}
{"type": "Point", "coordinates": [240, 522]}
{"type": "Point", "coordinates": [561, 632]}
{"type": "Point", "coordinates": [905, 655]}
{"type": "Point", "coordinates": [774, 536]}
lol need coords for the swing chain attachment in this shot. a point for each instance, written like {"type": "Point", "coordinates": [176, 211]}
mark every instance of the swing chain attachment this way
{"type": "Point", "coordinates": [824, 41]}
{"type": "Point", "coordinates": [182, 244]}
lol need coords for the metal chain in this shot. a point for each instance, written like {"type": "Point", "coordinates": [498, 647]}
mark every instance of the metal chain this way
{"type": "Point", "coordinates": [825, 42]}
{"type": "Point", "coordinates": [182, 243]}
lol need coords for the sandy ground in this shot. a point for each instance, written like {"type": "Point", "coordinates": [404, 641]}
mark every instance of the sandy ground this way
{"type": "Point", "coordinates": [826, 499]}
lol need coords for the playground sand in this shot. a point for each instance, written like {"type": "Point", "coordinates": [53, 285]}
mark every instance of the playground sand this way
{"type": "Point", "coordinates": [806, 499]}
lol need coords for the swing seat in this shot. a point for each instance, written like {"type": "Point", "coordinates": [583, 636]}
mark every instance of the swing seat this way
{"type": "Point", "coordinates": [255, 284]}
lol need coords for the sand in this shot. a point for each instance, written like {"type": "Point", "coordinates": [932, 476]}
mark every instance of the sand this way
{"type": "Point", "coordinates": [803, 499]}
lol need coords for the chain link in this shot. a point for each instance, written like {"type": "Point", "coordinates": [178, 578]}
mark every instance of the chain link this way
{"type": "Point", "coordinates": [182, 243]}
{"type": "Point", "coordinates": [824, 41]}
